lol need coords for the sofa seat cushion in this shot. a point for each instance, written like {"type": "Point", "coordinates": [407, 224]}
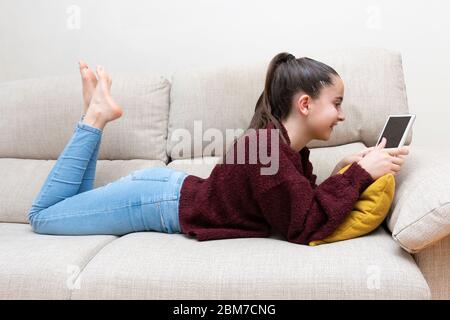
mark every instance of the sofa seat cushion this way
{"type": "Point", "coordinates": [152, 265]}
{"type": "Point", "coordinates": [34, 266]}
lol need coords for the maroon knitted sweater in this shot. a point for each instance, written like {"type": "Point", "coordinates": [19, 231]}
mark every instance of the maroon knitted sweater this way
{"type": "Point", "coordinates": [238, 201]}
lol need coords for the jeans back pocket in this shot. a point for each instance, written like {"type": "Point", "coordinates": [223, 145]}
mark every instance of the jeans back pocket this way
{"type": "Point", "coordinates": [154, 174]}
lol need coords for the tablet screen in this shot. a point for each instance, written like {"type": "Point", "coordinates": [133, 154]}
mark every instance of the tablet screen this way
{"type": "Point", "coordinates": [394, 130]}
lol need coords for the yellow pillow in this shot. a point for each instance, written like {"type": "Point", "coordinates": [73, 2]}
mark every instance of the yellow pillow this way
{"type": "Point", "coordinates": [368, 213]}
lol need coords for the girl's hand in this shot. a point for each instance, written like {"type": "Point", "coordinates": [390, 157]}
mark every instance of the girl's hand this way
{"type": "Point", "coordinates": [379, 162]}
{"type": "Point", "coordinates": [356, 157]}
{"type": "Point", "coordinates": [395, 152]}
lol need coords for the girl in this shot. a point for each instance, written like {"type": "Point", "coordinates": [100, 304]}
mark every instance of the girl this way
{"type": "Point", "coordinates": [301, 101]}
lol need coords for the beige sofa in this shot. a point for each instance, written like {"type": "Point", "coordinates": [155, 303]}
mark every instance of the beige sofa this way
{"type": "Point", "coordinates": [408, 257]}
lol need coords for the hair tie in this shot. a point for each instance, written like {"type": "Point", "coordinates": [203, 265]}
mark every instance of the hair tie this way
{"type": "Point", "coordinates": [290, 57]}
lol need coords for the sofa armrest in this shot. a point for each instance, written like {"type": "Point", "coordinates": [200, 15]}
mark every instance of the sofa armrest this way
{"type": "Point", "coordinates": [433, 262]}
{"type": "Point", "coordinates": [420, 213]}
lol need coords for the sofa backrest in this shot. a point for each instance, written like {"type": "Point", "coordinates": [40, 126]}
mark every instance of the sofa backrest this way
{"type": "Point", "coordinates": [224, 98]}
{"type": "Point", "coordinates": [39, 116]}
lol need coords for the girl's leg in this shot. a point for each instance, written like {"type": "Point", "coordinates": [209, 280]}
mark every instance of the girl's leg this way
{"type": "Point", "coordinates": [145, 200]}
{"type": "Point", "coordinates": [59, 207]}
{"type": "Point", "coordinates": [66, 177]}
{"type": "Point", "coordinates": [89, 175]}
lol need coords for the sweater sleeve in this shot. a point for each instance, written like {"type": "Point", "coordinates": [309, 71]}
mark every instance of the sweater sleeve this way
{"type": "Point", "coordinates": [303, 213]}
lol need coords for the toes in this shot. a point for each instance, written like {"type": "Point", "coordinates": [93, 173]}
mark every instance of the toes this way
{"type": "Point", "coordinates": [109, 80]}
{"type": "Point", "coordinates": [83, 66]}
{"type": "Point", "coordinates": [104, 77]}
{"type": "Point", "coordinates": [100, 71]}
{"type": "Point", "coordinates": [86, 73]}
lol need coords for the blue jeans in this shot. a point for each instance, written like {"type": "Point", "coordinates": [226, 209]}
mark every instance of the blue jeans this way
{"type": "Point", "coordinates": [67, 204]}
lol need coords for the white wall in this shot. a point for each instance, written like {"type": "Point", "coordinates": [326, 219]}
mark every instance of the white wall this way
{"type": "Point", "coordinates": [45, 37]}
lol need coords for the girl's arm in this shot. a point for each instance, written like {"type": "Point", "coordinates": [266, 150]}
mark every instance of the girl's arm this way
{"type": "Point", "coordinates": [303, 214]}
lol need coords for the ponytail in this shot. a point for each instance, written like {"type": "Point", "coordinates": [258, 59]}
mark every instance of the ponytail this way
{"type": "Point", "coordinates": [264, 113]}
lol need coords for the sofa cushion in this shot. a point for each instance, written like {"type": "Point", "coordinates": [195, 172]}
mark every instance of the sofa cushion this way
{"type": "Point", "coordinates": [21, 180]}
{"type": "Point", "coordinates": [421, 208]}
{"type": "Point", "coordinates": [223, 99]}
{"type": "Point", "coordinates": [152, 265]}
{"type": "Point", "coordinates": [50, 107]}
{"type": "Point", "coordinates": [34, 266]}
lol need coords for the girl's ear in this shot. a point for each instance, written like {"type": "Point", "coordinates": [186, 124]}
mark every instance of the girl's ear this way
{"type": "Point", "coordinates": [302, 103]}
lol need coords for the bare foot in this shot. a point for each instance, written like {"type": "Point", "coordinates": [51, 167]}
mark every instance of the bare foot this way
{"type": "Point", "coordinates": [102, 108]}
{"type": "Point", "coordinates": [89, 81]}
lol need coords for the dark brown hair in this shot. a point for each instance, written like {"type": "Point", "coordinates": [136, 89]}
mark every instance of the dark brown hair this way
{"type": "Point", "coordinates": [285, 77]}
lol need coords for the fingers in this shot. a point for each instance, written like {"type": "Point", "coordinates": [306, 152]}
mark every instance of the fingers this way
{"type": "Point", "coordinates": [382, 144]}
{"type": "Point", "coordinates": [397, 160]}
{"type": "Point", "coordinates": [401, 151]}
{"type": "Point", "coordinates": [396, 152]}
{"type": "Point", "coordinates": [395, 168]}
{"type": "Point", "coordinates": [396, 164]}
{"type": "Point", "coordinates": [404, 150]}
{"type": "Point", "coordinates": [366, 151]}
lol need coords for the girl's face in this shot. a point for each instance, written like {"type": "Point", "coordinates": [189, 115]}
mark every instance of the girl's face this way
{"type": "Point", "coordinates": [326, 111]}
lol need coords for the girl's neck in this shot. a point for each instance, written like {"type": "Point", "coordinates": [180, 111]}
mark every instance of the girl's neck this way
{"type": "Point", "coordinates": [297, 136]}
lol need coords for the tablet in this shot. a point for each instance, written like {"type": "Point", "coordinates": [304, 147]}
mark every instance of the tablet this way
{"type": "Point", "coordinates": [396, 130]}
